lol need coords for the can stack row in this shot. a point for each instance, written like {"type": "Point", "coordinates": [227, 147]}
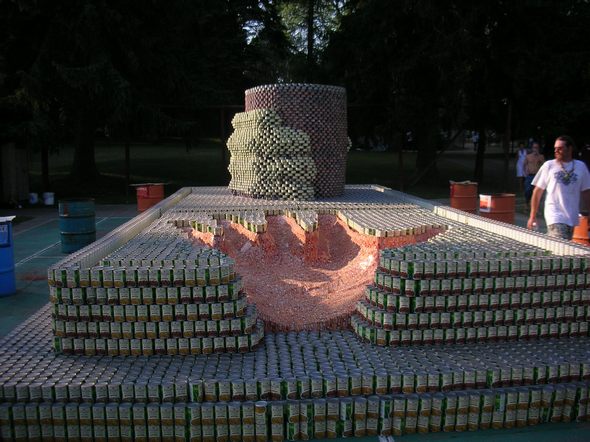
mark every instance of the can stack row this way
{"type": "Point", "coordinates": [295, 386]}
{"type": "Point", "coordinates": [395, 221]}
{"type": "Point", "coordinates": [387, 415]}
{"type": "Point", "coordinates": [158, 294]}
{"type": "Point", "coordinates": [462, 287]}
{"type": "Point", "coordinates": [308, 220]}
{"type": "Point", "coordinates": [354, 197]}
{"type": "Point", "coordinates": [200, 221]}
{"type": "Point", "coordinates": [386, 222]}
{"type": "Point", "coordinates": [391, 222]}
{"type": "Point", "coordinates": [318, 111]}
{"type": "Point", "coordinates": [292, 366]}
{"type": "Point", "coordinates": [269, 159]}
{"type": "Point", "coordinates": [209, 222]}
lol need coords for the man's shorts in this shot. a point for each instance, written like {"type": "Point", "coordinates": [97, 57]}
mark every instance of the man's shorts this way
{"type": "Point", "coordinates": [560, 231]}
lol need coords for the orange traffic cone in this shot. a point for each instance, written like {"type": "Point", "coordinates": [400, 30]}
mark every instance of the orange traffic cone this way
{"type": "Point", "coordinates": [581, 231]}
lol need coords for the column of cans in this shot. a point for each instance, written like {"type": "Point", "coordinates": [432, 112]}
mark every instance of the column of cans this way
{"type": "Point", "coordinates": [319, 111]}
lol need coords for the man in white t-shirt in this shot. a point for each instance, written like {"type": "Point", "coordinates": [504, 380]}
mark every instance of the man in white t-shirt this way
{"type": "Point", "coordinates": [565, 179]}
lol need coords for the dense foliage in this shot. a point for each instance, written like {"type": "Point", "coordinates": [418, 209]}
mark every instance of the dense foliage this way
{"type": "Point", "coordinates": [71, 67]}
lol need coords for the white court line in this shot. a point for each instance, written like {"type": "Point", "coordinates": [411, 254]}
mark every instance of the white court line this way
{"type": "Point", "coordinates": [54, 219]}
{"type": "Point", "coordinates": [33, 227]}
{"type": "Point", "coordinates": [34, 255]}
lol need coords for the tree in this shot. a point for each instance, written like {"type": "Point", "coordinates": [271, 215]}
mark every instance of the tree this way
{"type": "Point", "coordinates": [523, 61]}
{"type": "Point", "coordinates": [308, 24]}
{"type": "Point", "coordinates": [445, 65]}
{"type": "Point", "coordinates": [413, 70]}
{"type": "Point", "coordinates": [269, 49]}
{"type": "Point", "coordinates": [116, 63]}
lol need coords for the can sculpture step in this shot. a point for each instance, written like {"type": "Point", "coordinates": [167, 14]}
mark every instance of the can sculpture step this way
{"type": "Point", "coordinates": [509, 321]}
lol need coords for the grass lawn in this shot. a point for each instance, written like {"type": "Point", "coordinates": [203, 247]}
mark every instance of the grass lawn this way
{"type": "Point", "coordinates": [203, 165]}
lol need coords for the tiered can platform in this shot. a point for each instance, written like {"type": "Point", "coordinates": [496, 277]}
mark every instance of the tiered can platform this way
{"type": "Point", "coordinates": [498, 339]}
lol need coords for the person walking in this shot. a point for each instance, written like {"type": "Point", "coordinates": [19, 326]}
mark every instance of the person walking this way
{"type": "Point", "coordinates": [565, 180]}
{"type": "Point", "coordinates": [520, 157]}
{"type": "Point", "coordinates": [531, 165]}
{"type": "Point", "coordinates": [475, 139]}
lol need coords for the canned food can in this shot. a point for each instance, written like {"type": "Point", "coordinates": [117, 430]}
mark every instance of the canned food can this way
{"type": "Point", "coordinates": [248, 414]}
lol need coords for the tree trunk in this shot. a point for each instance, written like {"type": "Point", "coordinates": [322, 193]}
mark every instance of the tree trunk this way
{"type": "Point", "coordinates": [127, 168]}
{"type": "Point", "coordinates": [310, 39]}
{"type": "Point", "coordinates": [422, 172]}
{"type": "Point", "coordinates": [400, 160]}
{"type": "Point", "coordinates": [45, 167]}
{"type": "Point", "coordinates": [84, 164]}
{"type": "Point", "coordinates": [426, 141]}
{"type": "Point", "coordinates": [479, 157]}
{"type": "Point", "coordinates": [506, 145]}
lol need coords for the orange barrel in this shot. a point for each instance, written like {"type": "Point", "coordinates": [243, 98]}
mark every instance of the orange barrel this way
{"type": "Point", "coordinates": [581, 231]}
{"type": "Point", "coordinates": [498, 206]}
{"type": "Point", "coordinates": [464, 196]}
{"type": "Point", "coordinates": [148, 195]}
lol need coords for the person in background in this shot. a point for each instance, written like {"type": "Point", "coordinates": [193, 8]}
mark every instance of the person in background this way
{"type": "Point", "coordinates": [520, 157]}
{"type": "Point", "coordinates": [531, 165]}
{"type": "Point", "coordinates": [584, 155]}
{"type": "Point", "coordinates": [565, 180]}
{"type": "Point", "coordinates": [475, 139]}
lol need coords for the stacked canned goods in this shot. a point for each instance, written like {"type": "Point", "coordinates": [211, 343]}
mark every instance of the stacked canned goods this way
{"type": "Point", "coordinates": [150, 298]}
{"type": "Point", "coordinates": [252, 220]}
{"type": "Point", "coordinates": [296, 386]}
{"type": "Point", "coordinates": [306, 219]}
{"type": "Point", "coordinates": [354, 197]}
{"type": "Point", "coordinates": [388, 222]}
{"type": "Point", "coordinates": [269, 160]}
{"type": "Point", "coordinates": [386, 415]}
{"type": "Point", "coordinates": [362, 208]}
{"type": "Point", "coordinates": [459, 288]}
{"type": "Point", "coordinates": [320, 112]}
{"type": "Point", "coordinates": [401, 220]}
{"type": "Point", "coordinates": [201, 221]}
{"type": "Point", "coordinates": [165, 304]}
{"type": "Point", "coordinates": [294, 366]}
{"type": "Point", "coordinates": [379, 219]}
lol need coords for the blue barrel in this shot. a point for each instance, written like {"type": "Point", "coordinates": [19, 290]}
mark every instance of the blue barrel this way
{"type": "Point", "coordinates": [77, 223]}
{"type": "Point", "coordinates": [7, 277]}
